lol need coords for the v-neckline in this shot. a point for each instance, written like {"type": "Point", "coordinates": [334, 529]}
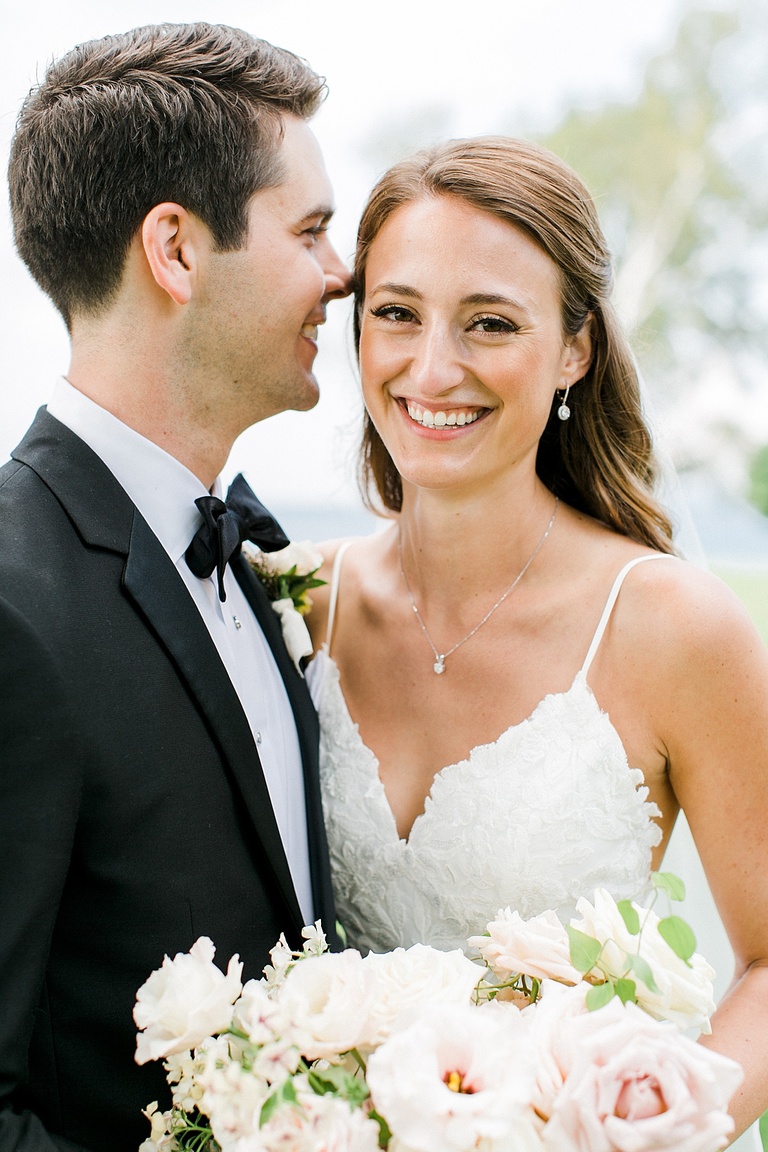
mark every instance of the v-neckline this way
{"type": "Point", "coordinates": [373, 763]}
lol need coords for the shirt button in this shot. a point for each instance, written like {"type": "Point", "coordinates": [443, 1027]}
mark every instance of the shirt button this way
{"type": "Point", "coordinates": [258, 737]}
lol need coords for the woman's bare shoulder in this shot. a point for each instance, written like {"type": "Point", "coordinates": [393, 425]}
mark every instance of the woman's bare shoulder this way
{"type": "Point", "coordinates": [359, 552]}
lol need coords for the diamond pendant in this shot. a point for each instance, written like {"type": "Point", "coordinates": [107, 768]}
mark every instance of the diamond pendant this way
{"type": "Point", "coordinates": [439, 665]}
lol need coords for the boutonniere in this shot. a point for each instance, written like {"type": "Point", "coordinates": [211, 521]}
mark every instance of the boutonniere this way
{"type": "Point", "coordinates": [288, 576]}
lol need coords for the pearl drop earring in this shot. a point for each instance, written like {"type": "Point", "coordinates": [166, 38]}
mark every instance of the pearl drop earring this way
{"type": "Point", "coordinates": [564, 411]}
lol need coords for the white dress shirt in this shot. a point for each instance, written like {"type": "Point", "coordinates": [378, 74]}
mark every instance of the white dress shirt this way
{"type": "Point", "coordinates": [164, 491]}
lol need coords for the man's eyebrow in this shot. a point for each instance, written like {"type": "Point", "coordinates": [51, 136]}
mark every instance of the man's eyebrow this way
{"type": "Point", "coordinates": [323, 212]}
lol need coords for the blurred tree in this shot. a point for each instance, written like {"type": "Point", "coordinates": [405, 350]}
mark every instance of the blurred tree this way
{"type": "Point", "coordinates": [758, 493]}
{"type": "Point", "coordinates": [681, 180]}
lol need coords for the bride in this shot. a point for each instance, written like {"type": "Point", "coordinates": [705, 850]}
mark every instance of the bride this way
{"type": "Point", "coordinates": [519, 684]}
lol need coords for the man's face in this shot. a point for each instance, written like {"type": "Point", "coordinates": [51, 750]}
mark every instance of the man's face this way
{"type": "Point", "coordinates": [258, 309]}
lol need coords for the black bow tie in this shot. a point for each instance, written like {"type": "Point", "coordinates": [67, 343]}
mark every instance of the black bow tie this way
{"type": "Point", "coordinates": [226, 525]}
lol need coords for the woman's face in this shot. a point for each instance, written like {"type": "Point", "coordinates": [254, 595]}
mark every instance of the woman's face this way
{"type": "Point", "coordinates": [461, 346]}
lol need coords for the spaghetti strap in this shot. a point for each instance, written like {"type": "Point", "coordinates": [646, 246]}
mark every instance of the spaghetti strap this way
{"type": "Point", "coordinates": [335, 578]}
{"type": "Point", "coordinates": [612, 596]}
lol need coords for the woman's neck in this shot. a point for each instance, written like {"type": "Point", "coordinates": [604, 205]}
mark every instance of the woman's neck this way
{"type": "Point", "coordinates": [456, 549]}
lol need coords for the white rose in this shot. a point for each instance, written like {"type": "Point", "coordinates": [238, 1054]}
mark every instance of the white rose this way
{"type": "Point", "coordinates": [184, 1001]}
{"type": "Point", "coordinates": [326, 998]}
{"type": "Point", "coordinates": [685, 991]}
{"type": "Point", "coordinates": [639, 1084]}
{"type": "Point", "coordinates": [457, 1079]}
{"type": "Point", "coordinates": [537, 947]}
{"type": "Point", "coordinates": [408, 979]}
{"type": "Point", "coordinates": [303, 554]}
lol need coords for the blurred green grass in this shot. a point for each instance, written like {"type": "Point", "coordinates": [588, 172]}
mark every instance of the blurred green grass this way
{"type": "Point", "coordinates": [752, 589]}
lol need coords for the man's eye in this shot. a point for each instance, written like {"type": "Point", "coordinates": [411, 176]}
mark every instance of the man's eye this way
{"type": "Point", "coordinates": [394, 312]}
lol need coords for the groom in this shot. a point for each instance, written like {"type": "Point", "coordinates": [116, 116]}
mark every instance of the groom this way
{"type": "Point", "coordinates": [158, 748]}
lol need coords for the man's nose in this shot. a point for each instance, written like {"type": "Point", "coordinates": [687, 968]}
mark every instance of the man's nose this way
{"type": "Point", "coordinates": [338, 278]}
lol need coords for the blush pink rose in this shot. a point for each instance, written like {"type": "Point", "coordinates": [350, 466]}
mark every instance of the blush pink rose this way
{"type": "Point", "coordinates": [634, 1084]}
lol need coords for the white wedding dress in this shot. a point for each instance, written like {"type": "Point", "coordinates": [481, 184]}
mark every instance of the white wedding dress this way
{"type": "Point", "coordinates": [545, 814]}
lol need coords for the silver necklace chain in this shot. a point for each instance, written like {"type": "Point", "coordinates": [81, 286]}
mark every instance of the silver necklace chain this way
{"type": "Point", "coordinates": [441, 657]}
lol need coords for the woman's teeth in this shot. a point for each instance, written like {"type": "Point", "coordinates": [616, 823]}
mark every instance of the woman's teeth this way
{"type": "Point", "coordinates": [455, 418]}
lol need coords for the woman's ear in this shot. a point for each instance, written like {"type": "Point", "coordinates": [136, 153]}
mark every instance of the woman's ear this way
{"type": "Point", "coordinates": [579, 354]}
{"type": "Point", "coordinates": [172, 239]}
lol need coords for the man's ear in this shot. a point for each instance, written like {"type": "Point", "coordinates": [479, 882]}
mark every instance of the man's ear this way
{"type": "Point", "coordinates": [579, 354]}
{"type": "Point", "coordinates": [172, 239]}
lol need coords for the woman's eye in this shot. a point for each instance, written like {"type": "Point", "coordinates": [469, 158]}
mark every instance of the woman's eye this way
{"type": "Point", "coordinates": [494, 325]}
{"type": "Point", "coordinates": [394, 312]}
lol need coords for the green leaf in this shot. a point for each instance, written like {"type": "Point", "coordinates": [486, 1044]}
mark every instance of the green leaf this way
{"type": "Point", "coordinates": [584, 949]}
{"type": "Point", "coordinates": [643, 971]}
{"type": "Point", "coordinates": [626, 990]}
{"type": "Point", "coordinates": [285, 1094]}
{"type": "Point", "coordinates": [629, 916]}
{"type": "Point", "coordinates": [338, 1082]}
{"type": "Point", "coordinates": [679, 935]}
{"type": "Point", "coordinates": [764, 1131]}
{"type": "Point", "coordinates": [669, 883]}
{"type": "Point", "coordinates": [599, 995]}
{"type": "Point", "coordinates": [384, 1133]}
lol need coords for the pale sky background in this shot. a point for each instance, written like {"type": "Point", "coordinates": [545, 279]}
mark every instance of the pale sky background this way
{"type": "Point", "coordinates": [493, 66]}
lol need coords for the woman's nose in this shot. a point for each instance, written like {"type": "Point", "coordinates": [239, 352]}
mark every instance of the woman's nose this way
{"type": "Point", "coordinates": [435, 366]}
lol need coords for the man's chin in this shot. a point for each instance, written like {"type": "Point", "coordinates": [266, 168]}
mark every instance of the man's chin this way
{"type": "Point", "coordinates": [309, 396]}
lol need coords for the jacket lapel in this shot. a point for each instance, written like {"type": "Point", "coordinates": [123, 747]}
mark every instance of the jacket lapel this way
{"type": "Point", "coordinates": [154, 585]}
{"type": "Point", "coordinates": [308, 731]}
{"type": "Point", "coordinates": [105, 517]}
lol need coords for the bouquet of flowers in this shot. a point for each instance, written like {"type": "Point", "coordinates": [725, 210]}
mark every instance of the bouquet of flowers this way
{"type": "Point", "coordinates": [556, 1038]}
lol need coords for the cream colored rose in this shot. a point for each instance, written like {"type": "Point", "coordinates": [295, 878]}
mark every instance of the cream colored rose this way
{"type": "Point", "coordinates": [685, 991]}
{"type": "Point", "coordinates": [537, 947]}
{"type": "Point", "coordinates": [409, 979]}
{"type": "Point", "coordinates": [326, 998]}
{"type": "Point", "coordinates": [302, 554]}
{"type": "Point", "coordinates": [185, 1001]}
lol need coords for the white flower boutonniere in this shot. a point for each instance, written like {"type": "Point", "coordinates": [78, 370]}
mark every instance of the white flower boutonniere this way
{"type": "Point", "coordinates": [287, 576]}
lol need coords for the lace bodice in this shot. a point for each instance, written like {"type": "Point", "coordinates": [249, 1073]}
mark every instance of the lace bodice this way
{"type": "Point", "coordinates": [545, 814]}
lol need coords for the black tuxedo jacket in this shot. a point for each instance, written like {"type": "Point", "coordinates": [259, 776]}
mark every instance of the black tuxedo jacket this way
{"type": "Point", "coordinates": [134, 816]}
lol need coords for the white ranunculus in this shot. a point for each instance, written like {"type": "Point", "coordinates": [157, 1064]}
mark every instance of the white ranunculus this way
{"type": "Point", "coordinates": [295, 632]}
{"type": "Point", "coordinates": [405, 980]}
{"type": "Point", "coordinates": [457, 1079]}
{"type": "Point", "coordinates": [686, 992]}
{"type": "Point", "coordinates": [185, 1001]}
{"type": "Point", "coordinates": [633, 1084]}
{"type": "Point", "coordinates": [303, 554]}
{"type": "Point", "coordinates": [326, 999]}
{"type": "Point", "coordinates": [537, 947]}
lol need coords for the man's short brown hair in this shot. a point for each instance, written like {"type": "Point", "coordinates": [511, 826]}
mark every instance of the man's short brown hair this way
{"type": "Point", "coordinates": [189, 113]}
